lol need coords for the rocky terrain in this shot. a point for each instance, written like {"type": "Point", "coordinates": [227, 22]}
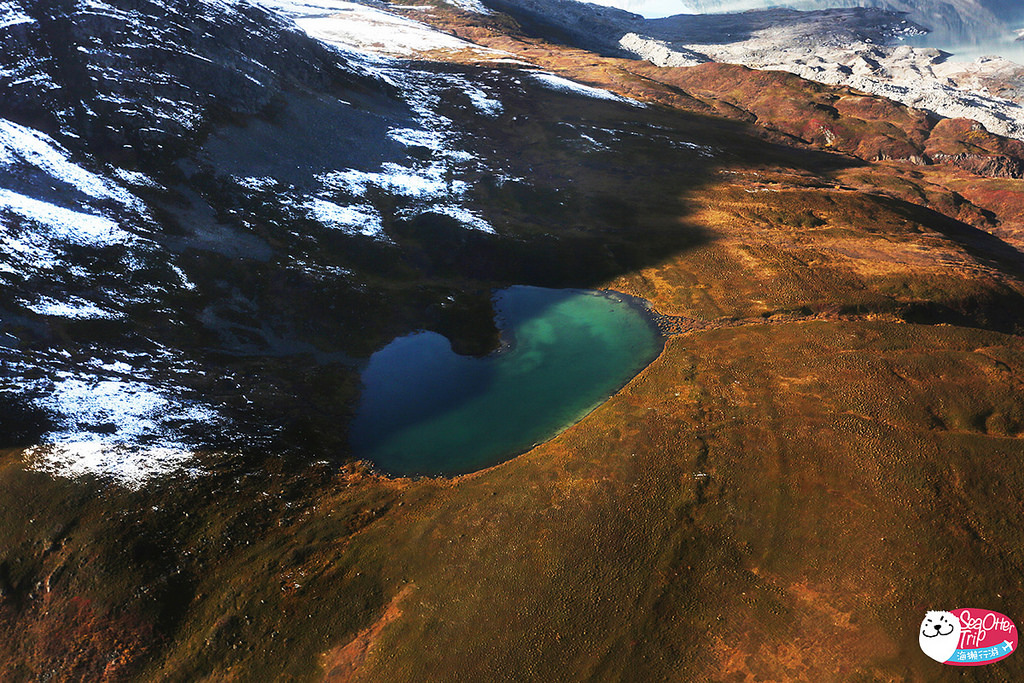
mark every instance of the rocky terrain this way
{"type": "Point", "coordinates": [213, 211]}
{"type": "Point", "coordinates": [858, 48]}
{"type": "Point", "coordinates": [827, 50]}
{"type": "Point", "coordinates": [947, 18]}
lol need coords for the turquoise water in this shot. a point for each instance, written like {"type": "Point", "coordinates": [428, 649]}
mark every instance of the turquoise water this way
{"type": "Point", "coordinates": [427, 410]}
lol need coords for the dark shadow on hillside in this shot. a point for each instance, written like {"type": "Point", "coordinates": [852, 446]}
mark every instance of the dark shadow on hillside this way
{"type": "Point", "coordinates": [1003, 309]}
{"type": "Point", "coordinates": [579, 190]}
{"type": "Point", "coordinates": [982, 245]}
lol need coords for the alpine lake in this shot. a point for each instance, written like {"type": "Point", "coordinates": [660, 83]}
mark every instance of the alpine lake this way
{"type": "Point", "coordinates": [425, 410]}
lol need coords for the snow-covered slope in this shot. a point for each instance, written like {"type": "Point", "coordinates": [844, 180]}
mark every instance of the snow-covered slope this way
{"type": "Point", "coordinates": [97, 100]}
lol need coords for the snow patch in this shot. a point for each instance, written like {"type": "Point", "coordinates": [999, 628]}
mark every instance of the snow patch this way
{"type": "Point", "coordinates": [354, 26]}
{"type": "Point", "coordinates": [434, 140]}
{"type": "Point", "coordinates": [474, 6]}
{"type": "Point", "coordinates": [68, 225]}
{"type": "Point", "coordinates": [114, 428]}
{"type": "Point", "coordinates": [703, 150]}
{"type": "Point", "coordinates": [186, 284]}
{"type": "Point", "coordinates": [11, 15]}
{"type": "Point", "coordinates": [136, 178]}
{"type": "Point", "coordinates": [426, 183]}
{"type": "Point", "coordinates": [132, 410]}
{"type": "Point", "coordinates": [73, 307]}
{"type": "Point", "coordinates": [485, 105]}
{"type": "Point", "coordinates": [130, 467]}
{"type": "Point", "coordinates": [320, 271]}
{"type": "Point", "coordinates": [353, 220]}
{"type": "Point", "coordinates": [256, 184]}
{"type": "Point", "coordinates": [565, 85]}
{"type": "Point", "coordinates": [410, 137]}
{"type": "Point", "coordinates": [465, 216]}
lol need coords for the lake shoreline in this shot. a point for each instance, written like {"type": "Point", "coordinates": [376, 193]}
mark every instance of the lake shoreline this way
{"type": "Point", "coordinates": [426, 410]}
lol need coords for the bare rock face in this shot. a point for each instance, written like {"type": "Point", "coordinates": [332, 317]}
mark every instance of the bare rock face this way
{"type": "Point", "coordinates": [988, 165]}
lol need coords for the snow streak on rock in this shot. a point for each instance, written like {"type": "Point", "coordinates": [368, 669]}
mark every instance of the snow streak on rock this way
{"type": "Point", "coordinates": [54, 224]}
{"type": "Point", "coordinates": [565, 85]}
{"type": "Point", "coordinates": [20, 145]}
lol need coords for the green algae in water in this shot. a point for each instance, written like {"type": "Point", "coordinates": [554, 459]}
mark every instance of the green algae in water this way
{"type": "Point", "coordinates": [429, 411]}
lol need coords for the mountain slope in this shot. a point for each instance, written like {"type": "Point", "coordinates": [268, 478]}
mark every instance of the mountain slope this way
{"type": "Point", "coordinates": [181, 334]}
{"type": "Point", "coordinates": [972, 18]}
{"type": "Point", "coordinates": [861, 48]}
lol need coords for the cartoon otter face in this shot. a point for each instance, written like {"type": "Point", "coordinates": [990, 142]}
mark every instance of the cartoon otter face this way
{"type": "Point", "coordinates": [940, 635]}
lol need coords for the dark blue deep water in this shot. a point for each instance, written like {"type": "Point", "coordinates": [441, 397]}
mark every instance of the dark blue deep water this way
{"type": "Point", "coordinates": [427, 410]}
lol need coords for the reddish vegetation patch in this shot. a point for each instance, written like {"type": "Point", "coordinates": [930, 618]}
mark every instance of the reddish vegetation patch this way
{"type": "Point", "coordinates": [1005, 200]}
{"type": "Point", "coordinates": [966, 144]}
{"type": "Point", "coordinates": [868, 127]}
{"type": "Point", "coordinates": [343, 662]}
{"type": "Point", "coordinates": [76, 641]}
